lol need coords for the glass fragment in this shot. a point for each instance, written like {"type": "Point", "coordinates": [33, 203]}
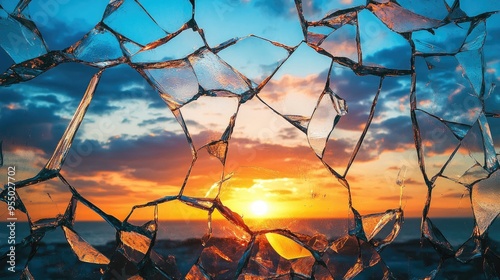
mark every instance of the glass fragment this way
{"type": "Point", "coordinates": [291, 139]}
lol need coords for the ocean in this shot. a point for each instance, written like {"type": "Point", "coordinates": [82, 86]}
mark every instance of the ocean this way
{"type": "Point", "coordinates": [406, 257]}
{"type": "Point", "coordinates": [456, 230]}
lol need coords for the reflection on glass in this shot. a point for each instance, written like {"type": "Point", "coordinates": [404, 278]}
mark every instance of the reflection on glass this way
{"type": "Point", "coordinates": [249, 139]}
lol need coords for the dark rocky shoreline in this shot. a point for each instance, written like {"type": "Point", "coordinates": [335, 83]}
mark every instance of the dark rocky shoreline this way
{"type": "Point", "coordinates": [408, 260]}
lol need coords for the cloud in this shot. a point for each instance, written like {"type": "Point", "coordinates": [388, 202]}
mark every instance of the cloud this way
{"type": "Point", "coordinates": [31, 127]}
{"type": "Point", "coordinates": [100, 189]}
{"type": "Point", "coordinates": [411, 181]}
{"type": "Point", "coordinates": [281, 192]}
{"type": "Point", "coordinates": [393, 134]}
{"type": "Point", "coordinates": [163, 160]}
{"type": "Point", "coordinates": [312, 9]}
{"type": "Point", "coordinates": [339, 151]}
{"type": "Point", "coordinates": [288, 133]}
{"type": "Point", "coordinates": [51, 99]}
{"type": "Point", "coordinates": [461, 195]}
{"type": "Point", "coordinates": [10, 96]}
{"type": "Point", "coordinates": [342, 47]}
{"type": "Point", "coordinates": [60, 35]}
{"type": "Point", "coordinates": [359, 91]}
{"type": "Point", "coordinates": [162, 151]}
{"type": "Point", "coordinates": [356, 117]}
{"type": "Point", "coordinates": [69, 81]}
{"type": "Point", "coordinates": [62, 23]}
{"type": "Point", "coordinates": [5, 60]}
{"type": "Point", "coordinates": [158, 120]}
{"type": "Point", "coordinates": [492, 44]}
{"type": "Point", "coordinates": [395, 58]}
{"type": "Point", "coordinates": [393, 197]}
{"type": "Point", "coordinates": [122, 83]}
{"type": "Point", "coordinates": [154, 158]}
{"type": "Point", "coordinates": [278, 89]}
{"type": "Point", "coordinates": [351, 87]}
{"type": "Point", "coordinates": [281, 8]}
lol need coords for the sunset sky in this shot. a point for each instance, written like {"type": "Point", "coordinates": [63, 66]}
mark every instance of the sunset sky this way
{"type": "Point", "coordinates": [130, 149]}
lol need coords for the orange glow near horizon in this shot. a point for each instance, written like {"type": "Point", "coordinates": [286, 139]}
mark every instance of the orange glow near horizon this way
{"type": "Point", "coordinates": [285, 178]}
{"type": "Point", "coordinates": [261, 202]}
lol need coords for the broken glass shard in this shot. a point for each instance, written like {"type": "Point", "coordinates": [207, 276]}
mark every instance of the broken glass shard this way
{"type": "Point", "coordinates": [391, 14]}
{"type": "Point", "coordinates": [286, 247]}
{"type": "Point", "coordinates": [62, 149]}
{"type": "Point", "coordinates": [484, 196]}
{"type": "Point", "coordinates": [183, 13]}
{"type": "Point", "coordinates": [175, 81]}
{"type": "Point", "coordinates": [118, 19]}
{"type": "Point", "coordinates": [98, 46]}
{"type": "Point", "coordinates": [214, 75]}
{"type": "Point", "coordinates": [328, 111]}
{"type": "Point", "coordinates": [342, 42]}
{"type": "Point", "coordinates": [84, 251]}
{"type": "Point", "coordinates": [22, 40]}
{"type": "Point", "coordinates": [251, 197]}
{"type": "Point", "coordinates": [254, 57]}
{"type": "Point", "coordinates": [178, 47]}
{"type": "Point", "coordinates": [374, 223]}
{"type": "Point", "coordinates": [434, 235]}
{"type": "Point", "coordinates": [446, 39]}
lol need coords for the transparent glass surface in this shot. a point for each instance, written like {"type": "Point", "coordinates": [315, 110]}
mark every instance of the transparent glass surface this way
{"type": "Point", "coordinates": [249, 139]}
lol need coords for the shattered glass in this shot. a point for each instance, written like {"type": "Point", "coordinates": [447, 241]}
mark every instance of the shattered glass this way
{"type": "Point", "coordinates": [196, 139]}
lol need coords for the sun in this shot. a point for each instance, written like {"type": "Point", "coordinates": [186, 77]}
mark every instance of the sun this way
{"type": "Point", "coordinates": [259, 208]}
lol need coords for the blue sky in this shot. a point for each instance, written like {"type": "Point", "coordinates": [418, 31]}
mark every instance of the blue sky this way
{"type": "Point", "coordinates": [127, 123]}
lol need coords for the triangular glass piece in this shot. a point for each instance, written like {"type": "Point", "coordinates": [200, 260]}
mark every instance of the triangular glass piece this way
{"type": "Point", "coordinates": [471, 249]}
{"type": "Point", "coordinates": [490, 155]}
{"type": "Point", "coordinates": [337, 20]}
{"type": "Point", "coordinates": [342, 42]}
{"type": "Point", "coordinates": [476, 38]}
{"type": "Point", "coordinates": [261, 57]}
{"type": "Point", "coordinates": [485, 197]}
{"type": "Point", "coordinates": [377, 52]}
{"type": "Point", "coordinates": [119, 19]}
{"type": "Point", "coordinates": [83, 250]}
{"type": "Point", "coordinates": [20, 39]}
{"type": "Point", "coordinates": [218, 149]}
{"type": "Point", "coordinates": [175, 81]}
{"type": "Point", "coordinates": [401, 20]}
{"type": "Point", "coordinates": [434, 235]}
{"type": "Point", "coordinates": [428, 125]}
{"type": "Point", "coordinates": [444, 39]}
{"type": "Point", "coordinates": [215, 75]}
{"type": "Point", "coordinates": [473, 174]}
{"type": "Point", "coordinates": [374, 223]}
{"type": "Point", "coordinates": [178, 47]}
{"type": "Point", "coordinates": [472, 64]}
{"type": "Point", "coordinates": [300, 122]}
{"type": "Point", "coordinates": [324, 118]}
{"type": "Point", "coordinates": [97, 46]}
{"type": "Point", "coordinates": [460, 130]}
{"type": "Point", "coordinates": [469, 153]}
{"type": "Point", "coordinates": [286, 247]}
{"type": "Point", "coordinates": [315, 38]}
{"type": "Point", "coordinates": [171, 23]}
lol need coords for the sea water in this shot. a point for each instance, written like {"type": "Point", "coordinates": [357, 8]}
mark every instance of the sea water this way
{"type": "Point", "coordinates": [456, 230]}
